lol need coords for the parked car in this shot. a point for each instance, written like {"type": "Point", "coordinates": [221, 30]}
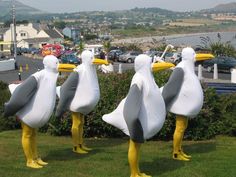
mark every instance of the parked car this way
{"type": "Point", "coordinates": [223, 64]}
{"type": "Point", "coordinates": [18, 51]}
{"type": "Point", "coordinates": [173, 57]}
{"type": "Point", "coordinates": [114, 54]}
{"type": "Point", "coordinates": [70, 58]}
{"type": "Point", "coordinates": [33, 50]}
{"type": "Point", "coordinates": [24, 50]}
{"type": "Point", "coordinates": [152, 54]}
{"type": "Point", "coordinates": [129, 57]}
{"type": "Point", "coordinates": [52, 49]}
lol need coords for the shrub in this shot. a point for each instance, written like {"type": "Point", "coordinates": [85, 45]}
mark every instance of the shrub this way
{"type": "Point", "coordinates": [6, 123]}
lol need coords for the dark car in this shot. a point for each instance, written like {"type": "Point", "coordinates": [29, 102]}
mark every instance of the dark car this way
{"type": "Point", "coordinates": [18, 51]}
{"type": "Point", "coordinates": [70, 58]}
{"type": "Point", "coordinates": [223, 64]}
{"type": "Point", "coordinates": [33, 50]}
{"type": "Point", "coordinates": [114, 54]}
{"type": "Point", "coordinates": [129, 57]}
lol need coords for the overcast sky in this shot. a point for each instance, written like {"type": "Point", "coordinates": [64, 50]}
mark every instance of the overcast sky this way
{"type": "Point", "coordinates": [110, 5]}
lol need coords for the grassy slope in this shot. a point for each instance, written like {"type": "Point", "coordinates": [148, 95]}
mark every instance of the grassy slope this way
{"type": "Point", "coordinates": [215, 158]}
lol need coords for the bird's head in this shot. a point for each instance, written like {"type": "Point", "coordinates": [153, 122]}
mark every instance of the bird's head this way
{"type": "Point", "coordinates": [51, 63]}
{"type": "Point", "coordinates": [144, 63]}
{"type": "Point", "coordinates": [88, 59]}
{"type": "Point", "coordinates": [188, 54]}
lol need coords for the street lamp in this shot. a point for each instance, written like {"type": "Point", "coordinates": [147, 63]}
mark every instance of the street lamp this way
{"type": "Point", "coordinates": [14, 31]}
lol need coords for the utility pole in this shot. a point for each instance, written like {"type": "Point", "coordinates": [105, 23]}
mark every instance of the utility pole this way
{"type": "Point", "coordinates": [14, 32]}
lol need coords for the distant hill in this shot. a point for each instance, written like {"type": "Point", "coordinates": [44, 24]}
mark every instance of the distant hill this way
{"type": "Point", "coordinates": [21, 9]}
{"type": "Point", "coordinates": [229, 7]}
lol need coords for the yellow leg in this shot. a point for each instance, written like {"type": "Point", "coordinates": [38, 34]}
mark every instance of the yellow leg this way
{"type": "Point", "coordinates": [27, 134]}
{"type": "Point", "coordinates": [133, 158]}
{"type": "Point", "coordinates": [36, 158]}
{"type": "Point", "coordinates": [181, 125]}
{"type": "Point", "coordinates": [181, 149]}
{"type": "Point", "coordinates": [77, 133]}
{"type": "Point", "coordinates": [81, 133]}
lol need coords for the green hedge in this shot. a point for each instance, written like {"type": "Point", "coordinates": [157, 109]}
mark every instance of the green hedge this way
{"type": "Point", "coordinates": [6, 123]}
{"type": "Point", "coordinates": [217, 116]}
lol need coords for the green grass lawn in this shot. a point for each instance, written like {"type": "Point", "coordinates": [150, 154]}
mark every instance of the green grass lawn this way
{"type": "Point", "coordinates": [214, 158]}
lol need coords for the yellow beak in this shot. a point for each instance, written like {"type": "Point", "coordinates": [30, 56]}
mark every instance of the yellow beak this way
{"type": "Point", "coordinates": [161, 66]}
{"type": "Point", "coordinates": [66, 67]}
{"type": "Point", "coordinates": [203, 56]}
{"type": "Point", "coordinates": [97, 61]}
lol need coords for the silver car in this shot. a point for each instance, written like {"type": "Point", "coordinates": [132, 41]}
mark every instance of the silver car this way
{"type": "Point", "coordinates": [174, 57]}
{"type": "Point", "coordinates": [129, 57]}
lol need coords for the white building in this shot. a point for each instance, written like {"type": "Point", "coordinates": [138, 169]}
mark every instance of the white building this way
{"type": "Point", "coordinates": [33, 42]}
{"type": "Point", "coordinates": [23, 31]}
{"type": "Point", "coordinates": [33, 35]}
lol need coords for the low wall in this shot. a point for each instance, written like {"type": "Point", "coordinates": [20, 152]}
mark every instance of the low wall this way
{"type": "Point", "coordinates": [6, 65]}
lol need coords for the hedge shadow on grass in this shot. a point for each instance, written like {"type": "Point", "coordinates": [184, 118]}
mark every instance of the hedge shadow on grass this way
{"type": "Point", "coordinates": [160, 165]}
{"type": "Point", "coordinates": [201, 147]}
{"type": "Point", "coordinates": [66, 154]}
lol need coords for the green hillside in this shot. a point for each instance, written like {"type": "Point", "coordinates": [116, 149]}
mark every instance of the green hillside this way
{"type": "Point", "coordinates": [21, 9]}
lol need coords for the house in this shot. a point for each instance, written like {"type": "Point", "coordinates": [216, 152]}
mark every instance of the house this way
{"type": "Point", "coordinates": [33, 42]}
{"type": "Point", "coordinates": [23, 31]}
{"type": "Point", "coordinates": [72, 32]}
{"type": "Point", "coordinates": [32, 35]}
{"type": "Point", "coordinates": [54, 35]}
{"type": "Point", "coordinates": [46, 36]}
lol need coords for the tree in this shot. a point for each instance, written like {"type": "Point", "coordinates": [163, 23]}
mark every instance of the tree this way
{"type": "Point", "coordinates": [81, 45]}
{"type": "Point", "coordinates": [60, 24]}
{"type": "Point", "coordinates": [107, 45]}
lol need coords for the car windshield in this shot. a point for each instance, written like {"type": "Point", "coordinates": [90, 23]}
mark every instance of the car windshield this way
{"type": "Point", "coordinates": [169, 54]}
{"type": "Point", "coordinates": [126, 53]}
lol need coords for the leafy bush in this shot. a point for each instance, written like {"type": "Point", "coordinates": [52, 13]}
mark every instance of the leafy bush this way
{"type": "Point", "coordinates": [6, 123]}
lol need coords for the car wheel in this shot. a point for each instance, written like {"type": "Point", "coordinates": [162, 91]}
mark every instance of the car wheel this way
{"type": "Point", "coordinates": [209, 69]}
{"type": "Point", "coordinates": [129, 60]}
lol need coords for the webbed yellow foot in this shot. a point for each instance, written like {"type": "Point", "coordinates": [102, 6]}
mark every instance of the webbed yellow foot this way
{"type": "Point", "coordinates": [41, 162]}
{"type": "Point", "coordinates": [144, 175]}
{"type": "Point", "coordinates": [85, 148]}
{"type": "Point", "coordinates": [136, 175]}
{"type": "Point", "coordinates": [79, 150]}
{"type": "Point", "coordinates": [185, 155]}
{"type": "Point", "coordinates": [33, 164]}
{"type": "Point", "coordinates": [180, 157]}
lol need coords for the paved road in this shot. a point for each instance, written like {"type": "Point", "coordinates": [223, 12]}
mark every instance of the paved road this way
{"type": "Point", "coordinates": [221, 75]}
{"type": "Point", "coordinates": [36, 64]}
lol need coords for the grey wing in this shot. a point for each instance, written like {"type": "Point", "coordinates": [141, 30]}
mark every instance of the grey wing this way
{"type": "Point", "coordinates": [172, 87]}
{"type": "Point", "coordinates": [131, 112]}
{"type": "Point", "coordinates": [67, 93]}
{"type": "Point", "coordinates": [22, 95]}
